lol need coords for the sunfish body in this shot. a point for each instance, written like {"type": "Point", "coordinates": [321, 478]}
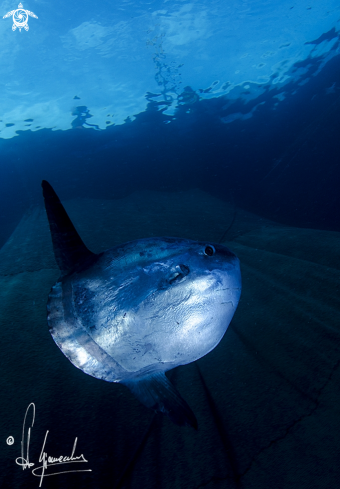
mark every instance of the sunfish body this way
{"type": "Point", "coordinates": [133, 312]}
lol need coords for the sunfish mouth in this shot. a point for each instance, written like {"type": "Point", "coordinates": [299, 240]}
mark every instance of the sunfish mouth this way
{"type": "Point", "coordinates": [133, 312]}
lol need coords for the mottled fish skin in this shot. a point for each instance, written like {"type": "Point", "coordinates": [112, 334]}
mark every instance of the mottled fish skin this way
{"type": "Point", "coordinates": [142, 311]}
{"type": "Point", "coordinates": [137, 310]}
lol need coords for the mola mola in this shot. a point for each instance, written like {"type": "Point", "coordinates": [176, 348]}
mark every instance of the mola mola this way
{"type": "Point", "coordinates": [133, 312]}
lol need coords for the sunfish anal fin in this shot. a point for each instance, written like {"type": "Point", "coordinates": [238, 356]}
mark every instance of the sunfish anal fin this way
{"type": "Point", "coordinates": [69, 250]}
{"type": "Point", "coordinates": [155, 391]}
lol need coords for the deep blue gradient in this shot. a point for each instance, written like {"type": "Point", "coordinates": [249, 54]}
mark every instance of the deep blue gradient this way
{"type": "Point", "coordinates": [282, 163]}
{"type": "Point", "coordinates": [211, 120]}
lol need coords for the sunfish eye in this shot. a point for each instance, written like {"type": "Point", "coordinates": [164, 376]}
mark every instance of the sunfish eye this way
{"type": "Point", "coordinates": [209, 250]}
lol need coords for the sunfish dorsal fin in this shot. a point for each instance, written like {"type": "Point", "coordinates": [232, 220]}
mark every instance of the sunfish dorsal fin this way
{"type": "Point", "coordinates": [69, 249]}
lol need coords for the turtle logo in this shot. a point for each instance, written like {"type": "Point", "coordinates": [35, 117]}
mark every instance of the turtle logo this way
{"type": "Point", "coordinates": [20, 17]}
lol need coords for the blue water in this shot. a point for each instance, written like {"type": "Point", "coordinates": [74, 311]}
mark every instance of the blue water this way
{"type": "Point", "coordinates": [237, 103]}
{"type": "Point", "coordinates": [282, 162]}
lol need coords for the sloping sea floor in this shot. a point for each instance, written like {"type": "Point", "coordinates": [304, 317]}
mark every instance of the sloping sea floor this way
{"type": "Point", "coordinates": [267, 399]}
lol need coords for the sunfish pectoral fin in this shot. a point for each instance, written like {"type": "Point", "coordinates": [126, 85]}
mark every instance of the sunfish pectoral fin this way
{"type": "Point", "coordinates": [69, 249]}
{"type": "Point", "coordinates": [155, 391]}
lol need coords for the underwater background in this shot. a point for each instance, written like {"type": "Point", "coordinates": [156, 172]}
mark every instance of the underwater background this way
{"type": "Point", "coordinates": [215, 121]}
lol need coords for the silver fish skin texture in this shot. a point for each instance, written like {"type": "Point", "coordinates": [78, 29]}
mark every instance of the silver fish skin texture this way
{"type": "Point", "coordinates": [145, 307]}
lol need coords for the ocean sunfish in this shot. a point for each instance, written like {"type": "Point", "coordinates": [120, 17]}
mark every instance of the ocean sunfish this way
{"type": "Point", "coordinates": [133, 312]}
